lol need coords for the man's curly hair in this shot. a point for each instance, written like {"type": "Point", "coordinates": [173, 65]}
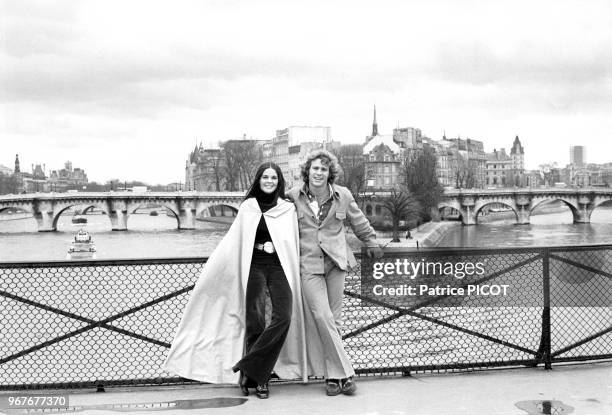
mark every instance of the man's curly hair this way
{"type": "Point", "coordinates": [327, 159]}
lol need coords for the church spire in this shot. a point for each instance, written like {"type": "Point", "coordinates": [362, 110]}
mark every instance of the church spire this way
{"type": "Point", "coordinates": [17, 170]}
{"type": "Point", "coordinates": [517, 147]}
{"type": "Point", "coordinates": [374, 124]}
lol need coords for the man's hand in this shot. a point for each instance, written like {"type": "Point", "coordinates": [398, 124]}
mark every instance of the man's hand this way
{"type": "Point", "coordinates": [375, 252]}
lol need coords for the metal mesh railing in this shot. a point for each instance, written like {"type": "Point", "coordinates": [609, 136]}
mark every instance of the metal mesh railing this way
{"type": "Point", "coordinates": [88, 323]}
{"type": "Point", "coordinates": [111, 322]}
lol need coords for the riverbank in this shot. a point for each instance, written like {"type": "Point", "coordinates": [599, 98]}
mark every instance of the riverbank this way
{"type": "Point", "coordinates": [427, 235]}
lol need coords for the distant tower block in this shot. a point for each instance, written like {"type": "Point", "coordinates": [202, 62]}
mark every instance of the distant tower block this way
{"type": "Point", "coordinates": [577, 155]}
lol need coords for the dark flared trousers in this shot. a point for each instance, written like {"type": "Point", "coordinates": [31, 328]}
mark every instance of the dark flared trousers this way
{"type": "Point", "coordinates": [263, 344]}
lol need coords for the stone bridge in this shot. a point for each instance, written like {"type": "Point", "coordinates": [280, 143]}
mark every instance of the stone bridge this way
{"type": "Point", "coordinates": [46, 208]}
{"type": "Point", "coordinates": [469, 202]}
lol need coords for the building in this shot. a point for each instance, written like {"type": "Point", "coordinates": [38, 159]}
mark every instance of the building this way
{"type": "Point", "coordinates": [289, 147]}
{"type": "Point", "coordinates": [30, 182]}
{"type": "Point", "coordinates": [507, 170]}
{"type": "Point", "coordinates": [517, 153]}
{"type": "Point", "coordinates": [499, 168]}
{"type": "Point", "coordinates": [534, 178]}
{"type": "Point", "coordinates": [383, 158]}
{"type": "Point", "coordinates": [36, 181]}
{"type": "Point", "coordinates": [408, 137]}
{"type": "Point", "coordinates": [384, 155]}
{"type": "Point", "coordinates": [204, 170]}
{"type": "Point", "coordinates": [446, 158]}
{"type": "Point", "coordinates": [577, 156]}
{"type": "Point", "coordinates": [67, 178]}
{"type": "Point", "coordinates": [464, 164]}
{"type": "Point", "coordinates": [208, 169]}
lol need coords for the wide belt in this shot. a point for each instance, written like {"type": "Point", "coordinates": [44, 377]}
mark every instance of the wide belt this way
{"type": "Point", "coordinates": [267, 247]}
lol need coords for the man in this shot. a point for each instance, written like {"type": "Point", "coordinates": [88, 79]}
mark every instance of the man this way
{"type": "Point", "coordinates": [325, 257]}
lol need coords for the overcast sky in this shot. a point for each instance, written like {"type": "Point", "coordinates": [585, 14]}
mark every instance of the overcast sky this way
{"type": "Point", "coordinates": [124, 89]}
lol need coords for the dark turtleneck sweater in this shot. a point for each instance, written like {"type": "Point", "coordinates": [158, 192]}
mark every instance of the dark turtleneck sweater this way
{"type": "Point", "coordinates": [265, 202]}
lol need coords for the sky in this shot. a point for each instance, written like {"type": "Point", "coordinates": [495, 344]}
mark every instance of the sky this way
{"type": "Point", "coordinates": [125, 89]}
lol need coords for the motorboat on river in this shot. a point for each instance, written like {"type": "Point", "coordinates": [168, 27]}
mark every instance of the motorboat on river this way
{"type": "Point", "coordinates": [82, 247]}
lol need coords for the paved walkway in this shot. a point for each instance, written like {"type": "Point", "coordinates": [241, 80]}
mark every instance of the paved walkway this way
{"type": "Point", "coordinates": [579, 389]}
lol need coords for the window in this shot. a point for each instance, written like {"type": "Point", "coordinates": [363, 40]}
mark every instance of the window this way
{"type": "Point", "coordinates": [368, 210]}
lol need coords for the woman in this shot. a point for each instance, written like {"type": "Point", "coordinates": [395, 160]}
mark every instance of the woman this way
{"type": "Point", "coordinates": [223, 327]}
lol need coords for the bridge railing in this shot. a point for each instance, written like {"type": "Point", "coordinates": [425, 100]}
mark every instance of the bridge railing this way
{"type": "Point", "coordinates": [80, 324]}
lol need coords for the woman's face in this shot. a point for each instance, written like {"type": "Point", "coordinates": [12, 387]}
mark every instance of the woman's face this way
{"type": "Point", "coordinates": [268, 181]}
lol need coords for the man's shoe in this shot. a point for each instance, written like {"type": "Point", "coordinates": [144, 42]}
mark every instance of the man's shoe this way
{"type": "Point", "coordinates": [332, 387]}
{"type": "Point", "coordinates": [262, 391]}
{"type": "Point", "coordinates": [349, 386]}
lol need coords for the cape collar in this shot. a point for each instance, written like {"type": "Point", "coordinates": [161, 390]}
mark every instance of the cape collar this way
{"type": "Point", "coordinates": [281, 207]}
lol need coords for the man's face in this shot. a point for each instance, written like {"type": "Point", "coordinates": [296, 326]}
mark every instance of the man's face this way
{"type": "Point", "coordinates": [318, 174]}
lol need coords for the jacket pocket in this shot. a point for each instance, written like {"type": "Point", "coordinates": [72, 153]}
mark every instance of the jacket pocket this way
{"type": "Point", "coordinates": [341, 215]}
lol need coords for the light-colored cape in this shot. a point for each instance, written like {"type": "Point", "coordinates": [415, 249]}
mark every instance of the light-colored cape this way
{"type": "Point", "coordinates": [210, 338]}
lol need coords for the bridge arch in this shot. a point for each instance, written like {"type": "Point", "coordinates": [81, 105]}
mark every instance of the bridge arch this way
{"type": "Point", "coordinates": [58, 211]}
{"type": "Point", "coordinates": [480, 207]}
{"type": "Point", "coordinates": [215, 208]}
{"type": "Point", "coordinates": [443, 206]}
{"type": "Point", "coordinates": [573, 208]}
{"type": "Point", "coordinates": [221, 209]}
{"type": "Point", "coordinates": [600, 204]}
{"type": "Point", "coordinates": [16, 207]}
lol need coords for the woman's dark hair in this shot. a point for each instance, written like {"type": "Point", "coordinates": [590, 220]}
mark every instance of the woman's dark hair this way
{"type": "Point", "coordinates": [255, 189]}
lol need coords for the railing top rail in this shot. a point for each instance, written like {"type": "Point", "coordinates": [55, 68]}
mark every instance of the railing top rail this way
{"type": "Point", "coordinates": [120, 194]}
{"type": "Point", "coordinates": [500, 250]}
{"type": "Point", "coordinates": [101, 262]}
{"type": "Point", "coordinates": [525, 190]}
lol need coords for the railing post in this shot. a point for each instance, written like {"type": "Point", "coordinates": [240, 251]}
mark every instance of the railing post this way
{"type": "Point", "coordinates": [544, 352]}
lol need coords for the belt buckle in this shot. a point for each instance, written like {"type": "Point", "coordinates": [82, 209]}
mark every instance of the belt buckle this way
{"type": "Point", "coordinates": [268, 247]}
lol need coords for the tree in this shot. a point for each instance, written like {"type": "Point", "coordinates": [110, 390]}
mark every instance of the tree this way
{"type": "Point", "coordinates": [464, 171]}
{"type": "Point", "coordinates": [217, 171]}
{"type": "Point", "coordinates": [242, 157]}
{"type": "Point", "coordinates": [350, 158]}
{"type": "Point", "coordinates": [400, 205]}
{"type": "Point", "coordinates": [421, 180]}
{"type": "Point", "coordinates": [8, 184]}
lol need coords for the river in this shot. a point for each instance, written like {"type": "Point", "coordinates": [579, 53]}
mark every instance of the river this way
{"type": "Point", "coordinates": [147, 237]}
{"type": "Point", "coordinates": [157, 236]}
{"type": "Point", "coordinates": [549, 229]}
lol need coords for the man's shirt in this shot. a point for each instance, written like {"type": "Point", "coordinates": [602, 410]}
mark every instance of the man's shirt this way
{"type": "Point", "coordinates": [319, 211]}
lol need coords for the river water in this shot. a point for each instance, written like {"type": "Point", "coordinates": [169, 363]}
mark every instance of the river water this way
{"type": "Point", "coordinates": [147, 237]}
{"type": "Point", "coordinates": [157, 236]}
{"type": "Point", "coordinates": [549, 229]}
